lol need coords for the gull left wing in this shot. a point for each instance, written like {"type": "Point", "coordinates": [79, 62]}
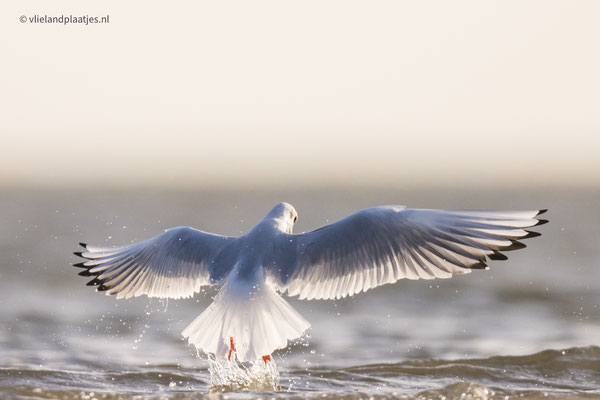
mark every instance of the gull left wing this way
{"type": "Point", "coordinates": [175, 264]}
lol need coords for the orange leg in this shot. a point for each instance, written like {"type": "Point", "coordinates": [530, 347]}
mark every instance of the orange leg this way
{"type": "Point", "coordinates": [231, 348]}
{"type": "Point", "coordinates": [267, 358]}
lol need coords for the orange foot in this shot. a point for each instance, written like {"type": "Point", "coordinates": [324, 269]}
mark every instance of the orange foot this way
{"type": "Point", "coordinates": [267, 358]}
{"type": "Point", "coordinates": [231, 348]}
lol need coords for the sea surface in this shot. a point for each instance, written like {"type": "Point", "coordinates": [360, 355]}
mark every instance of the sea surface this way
{"type": "Point", "coordinates": [528, 328]}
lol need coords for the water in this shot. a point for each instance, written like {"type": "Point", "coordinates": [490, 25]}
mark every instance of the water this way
{"type": "Point", "coordinates": [527, 328]}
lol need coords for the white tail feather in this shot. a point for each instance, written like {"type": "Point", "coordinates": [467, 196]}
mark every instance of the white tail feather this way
{"type": "Point", "coordinates": [258, 325]}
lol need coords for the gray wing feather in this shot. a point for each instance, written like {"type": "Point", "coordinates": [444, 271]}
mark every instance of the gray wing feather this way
{"type": "Point", "coordinates": [174, 264]}
{"type": "Point", "coordinates": [381, 245]}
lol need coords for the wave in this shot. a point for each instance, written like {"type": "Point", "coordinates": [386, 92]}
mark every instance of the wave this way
{"type": "Point", "coordinates": [570, 373]}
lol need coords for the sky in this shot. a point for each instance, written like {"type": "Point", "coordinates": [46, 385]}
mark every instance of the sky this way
{"type": "Point", "coordinates": [261, 93]}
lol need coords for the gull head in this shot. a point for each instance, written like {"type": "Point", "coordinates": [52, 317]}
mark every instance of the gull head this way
{"type": "Point", "coordinates": [285, 215]}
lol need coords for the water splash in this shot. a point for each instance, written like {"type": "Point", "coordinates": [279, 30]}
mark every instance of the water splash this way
{"type": "Point", "coordinates": [165, 304]}
{"type": "Point", "coordinates": [229, 376]}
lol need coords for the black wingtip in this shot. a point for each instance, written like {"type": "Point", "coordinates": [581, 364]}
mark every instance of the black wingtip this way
{"type": "Point", "coordinates": [541, 222]}
{"type": "Point", "coordinates": [515, 246]}
{"type": "Point", "coordinates": [78, 254]}
{"type": "Point", "coordinates": [80, 265]}
{"type": "Point", "coordinates": [542, 211]}
{"type": "Point", "coordinates": [479, 265]}
{"type": "Point", "coordinates": [531, 234]}
{"type": "Point", "coordinates": [83, 245]}
{"type": "Point", "coordinates": [94, 282]}
{"type": "Point", "coordinates": [497, 256]}
{"type": "Point", "coordinates": [86, 273]}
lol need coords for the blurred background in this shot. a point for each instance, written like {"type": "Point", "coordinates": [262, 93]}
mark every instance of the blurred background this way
{"type": "Point", "coordinates": [392, 94]}
{"type": "Point", "coordinates": [208, 114]}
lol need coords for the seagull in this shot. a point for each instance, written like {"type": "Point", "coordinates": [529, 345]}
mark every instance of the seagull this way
{"type": "Point", "coordinates": [248, 317]}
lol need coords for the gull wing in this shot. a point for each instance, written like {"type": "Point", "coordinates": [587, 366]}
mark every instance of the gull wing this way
{"type": "Point", "coordinates": [174, 264]}
{"type": "Point", "coordinates": [381, 245]}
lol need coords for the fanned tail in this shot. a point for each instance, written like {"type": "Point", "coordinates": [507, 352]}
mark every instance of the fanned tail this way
{"type": "Point", "coordinates": [259, 325]}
